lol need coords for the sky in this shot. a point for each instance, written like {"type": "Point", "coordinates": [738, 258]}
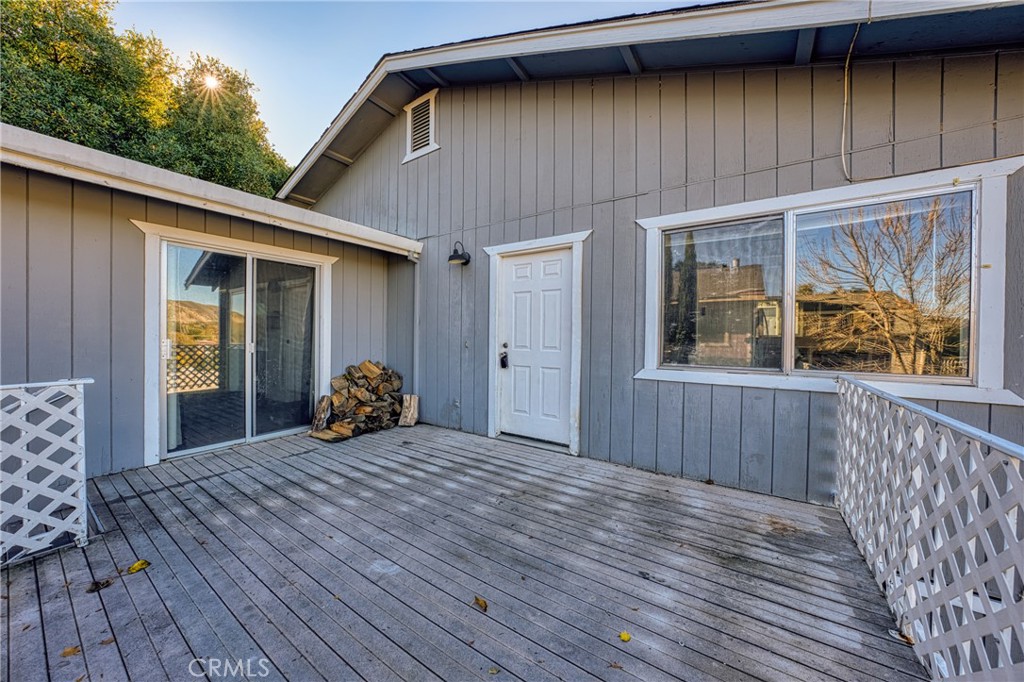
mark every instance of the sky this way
{"type": "Point", "coordinates": [308, 58]}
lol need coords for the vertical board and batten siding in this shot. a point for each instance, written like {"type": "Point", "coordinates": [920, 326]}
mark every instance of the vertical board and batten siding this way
{"type": "Point", "coordinates": [71, 302]}
{"type": "Point", "coordinates": [1013, 358]}
{"type": "Point", "coordinates": [526, 160]}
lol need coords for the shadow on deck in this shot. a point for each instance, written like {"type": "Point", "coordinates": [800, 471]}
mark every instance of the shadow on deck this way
{"type": "Point", "coordinates": [361, 560]}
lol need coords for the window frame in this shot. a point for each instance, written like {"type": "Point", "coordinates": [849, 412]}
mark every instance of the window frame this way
{"type": "Point", "coordinates": [433, 145]}
{"type": "Point", "coordinates": [988, 183]}
{"type": "Point", "coordinates": [771, 371]}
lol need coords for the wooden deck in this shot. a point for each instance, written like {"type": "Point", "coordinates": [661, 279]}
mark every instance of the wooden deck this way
{"type": "Point", "coordinates": [361, 560]}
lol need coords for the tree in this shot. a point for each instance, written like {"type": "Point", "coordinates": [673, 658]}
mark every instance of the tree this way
{"type": "Point", "coordinates": [214, 119]}
{"type": "Point", "coordinates": [67, 74]}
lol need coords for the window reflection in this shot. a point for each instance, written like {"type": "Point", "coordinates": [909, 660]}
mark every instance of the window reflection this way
{"type": "Point", "coordinates": [886, 287]}
{"type": "Point", "coordinates": [722, 302]}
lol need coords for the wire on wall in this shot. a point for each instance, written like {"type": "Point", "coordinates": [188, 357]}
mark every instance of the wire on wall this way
{"type": "Point", "coordinates": [846, 105]}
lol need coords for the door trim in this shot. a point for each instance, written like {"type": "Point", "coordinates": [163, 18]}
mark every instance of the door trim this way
{"type": "Point", "coordinates": [155, 236]}
{"type": "Point", "coordinates": [497, 254]}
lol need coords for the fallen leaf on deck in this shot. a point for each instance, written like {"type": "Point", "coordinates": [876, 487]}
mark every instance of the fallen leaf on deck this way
{"type": "Point", "coordinates": [480, 603]}
{"type": "Point", "coordinates": [71, 651]}
{"type": "Point", "coordinates": [26, 627]}
{"type": "Point", "coordinates": [140, 565]}
{"type": "Point", "coordinates": [906, 639]}
{"type": "Point", "coordinates": [634, 608]}
{"type": "Point", "coordinates": [98, 585]}
{"type": "Point", "coordinates": [80, 678]}
{"type": "Point", "coordinates": [337, 597]}
{"type": "Point", "coordinates": [616, 665]}
{"type": "Point", "coordinates": [108, 640]}
{"type": "Point", "coordinates": [493, 671]}
{"type": "Point", "coordinates": [625, 636]}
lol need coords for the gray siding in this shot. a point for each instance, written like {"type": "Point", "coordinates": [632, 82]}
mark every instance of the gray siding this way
{"type": "Point", "coordinates": [71, 296]}
{"type": "Point", "coordinates": [1014, 342]}
{"type": "Point", "coordinates": [525, 160]}
{"type": "Point", "coordinates": [400, 323]}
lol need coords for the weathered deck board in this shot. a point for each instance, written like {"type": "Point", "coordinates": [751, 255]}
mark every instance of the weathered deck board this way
{"type": "Point", "coordinates": [625, 559]}
{"type": "Point", "coordinates": [360, 560]}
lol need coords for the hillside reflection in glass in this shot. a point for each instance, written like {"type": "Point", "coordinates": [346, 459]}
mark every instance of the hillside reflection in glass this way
{"type": "Point", "coordinates": [205, 377]}
{"type": "Point", "coordinates": [886, 287]}
{"type": "Point", "coordinates": [722, 301]}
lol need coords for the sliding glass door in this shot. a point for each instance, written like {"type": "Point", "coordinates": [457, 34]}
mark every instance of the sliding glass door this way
{"type": "Point", "coordinates": [284, 320]}
{"type": "Point", "coordinates": [238, 347]}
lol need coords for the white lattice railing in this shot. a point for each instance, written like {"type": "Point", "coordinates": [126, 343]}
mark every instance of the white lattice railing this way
{"type": "Point", "coordinates": [42, 467]}
{"type": "Point", "coordinates": [937, 509]}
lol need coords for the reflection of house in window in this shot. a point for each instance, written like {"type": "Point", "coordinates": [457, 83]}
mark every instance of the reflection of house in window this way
{"type": "Point", "coordinates": [736, 324]}
{"type": "Point", "coordinates": [858, 331]}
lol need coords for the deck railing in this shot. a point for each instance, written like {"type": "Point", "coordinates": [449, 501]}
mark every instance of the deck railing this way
{"type": "Point", "coordinates": [937, 509]}
{"type": "Point", "coordinates": [193, 368]}
{"type": "Point", "coordinates": [42, 467]}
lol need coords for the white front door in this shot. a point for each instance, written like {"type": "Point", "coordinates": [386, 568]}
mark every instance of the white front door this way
{"type": "Point", "coordinates": [534, 329]}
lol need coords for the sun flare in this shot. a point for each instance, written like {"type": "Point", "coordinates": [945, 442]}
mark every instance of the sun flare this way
{"type": "Point", "coordinates": [211, 82]}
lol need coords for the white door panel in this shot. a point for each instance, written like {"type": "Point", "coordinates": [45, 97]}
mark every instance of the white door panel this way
{"type": "Point", "coordinates": [534, 328]}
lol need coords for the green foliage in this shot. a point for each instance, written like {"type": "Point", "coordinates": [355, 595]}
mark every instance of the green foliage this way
{"type": "Point", "coordinates": [67, 74]}
{"type": "Point", "coordinates": [225, 139]}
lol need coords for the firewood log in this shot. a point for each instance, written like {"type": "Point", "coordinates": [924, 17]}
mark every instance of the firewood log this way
{"type": "Point", "coordinates": [327, 435]}
{"type": "Point", "coordinates": [410, 410]}
{"type": "Point", "coordinates": [369, 370]}
{"type": "Point", "coordinates": [322, 413]}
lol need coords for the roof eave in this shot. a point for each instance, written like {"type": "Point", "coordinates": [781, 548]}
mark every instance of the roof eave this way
{"type": "Point", "coordinates": [27, 149]}
{"type": "Point", "coordinates": [708, 22]}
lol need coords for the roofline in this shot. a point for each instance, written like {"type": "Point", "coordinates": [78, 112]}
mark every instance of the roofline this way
{"type": "Point", "coordinates": [27, 149]}
{"type": "Point", "coordinates": [706, 21]}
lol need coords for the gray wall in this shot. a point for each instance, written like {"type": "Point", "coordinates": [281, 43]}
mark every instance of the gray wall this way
{"type": "Point", "coordinates": [401, 308]}
{"type": "Point", "coordinates": [519, 161]}
{"type": "Point", "coordinates": [71, 302]}
{"type": "Point", "coordinates": [1014, 344]}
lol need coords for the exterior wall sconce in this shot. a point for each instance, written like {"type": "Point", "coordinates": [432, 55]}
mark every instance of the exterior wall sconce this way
{"type": "Point", "coordinates": [459, 255]}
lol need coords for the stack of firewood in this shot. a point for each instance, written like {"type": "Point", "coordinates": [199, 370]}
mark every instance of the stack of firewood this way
{"type": "Point", "coordinates": [367, 397]}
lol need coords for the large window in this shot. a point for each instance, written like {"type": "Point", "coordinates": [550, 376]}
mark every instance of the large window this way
{"type": "Point", "coordinates": [874, 287]}
{"type": "Point", "coordinates": [723, 296]}
{"type": "Point", "coordinates": [885, 287]}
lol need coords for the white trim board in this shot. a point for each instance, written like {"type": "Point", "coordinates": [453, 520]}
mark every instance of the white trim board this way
{"type": "Point", "coordinates": [24, 148]}
{"type": "Point", "coordinates": [153, 402]}
{"type": "Point", "coordinates": [989, 182]}
{"type": "Point", "coordinates": [496, 253]}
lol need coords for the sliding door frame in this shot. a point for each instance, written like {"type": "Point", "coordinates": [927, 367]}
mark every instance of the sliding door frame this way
{"type": "Point", "coordinates": [156, 238]}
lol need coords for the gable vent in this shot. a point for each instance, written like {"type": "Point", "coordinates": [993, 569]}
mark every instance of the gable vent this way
{"type": "Point", "coordinates": [421, 126]}
{"type": "Point", "coordinates": [420, 115]}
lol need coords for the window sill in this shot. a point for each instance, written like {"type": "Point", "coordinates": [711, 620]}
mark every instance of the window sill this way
{"type": "Point", "coordinates": [433, 146]}
{"type": "Point", "coordinates": [904, 389]}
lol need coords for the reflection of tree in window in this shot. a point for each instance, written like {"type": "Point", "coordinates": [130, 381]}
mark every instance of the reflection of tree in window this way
{"type": "Point", "coordinates": [886, 287]}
